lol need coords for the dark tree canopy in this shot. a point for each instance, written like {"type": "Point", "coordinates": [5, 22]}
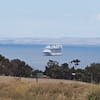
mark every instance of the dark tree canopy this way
{"type": "Point", "coordinates": [53, 69]}
{"type": "Point", "coordinates": [14, 67]}
{"type": "Point", "coordinates": [64, 71]}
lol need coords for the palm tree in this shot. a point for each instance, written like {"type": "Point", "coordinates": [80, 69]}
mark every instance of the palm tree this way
{"type": "Point", "coordinates": [76, 63]}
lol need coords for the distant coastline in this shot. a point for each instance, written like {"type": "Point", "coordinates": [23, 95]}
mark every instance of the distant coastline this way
{"type": "Point", "coordinates": [44, 41]}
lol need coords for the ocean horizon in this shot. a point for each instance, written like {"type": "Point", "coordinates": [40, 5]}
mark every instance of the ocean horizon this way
{"type": "Point", "coordinates": [33, 55]}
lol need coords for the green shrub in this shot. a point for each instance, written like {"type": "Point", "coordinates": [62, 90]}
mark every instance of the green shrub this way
{"type": "Point", "coordinates": [95, 95]}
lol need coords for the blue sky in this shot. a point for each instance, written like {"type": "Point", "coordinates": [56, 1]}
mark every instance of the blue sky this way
{"type": "Point", "coordinates": [49, 18]}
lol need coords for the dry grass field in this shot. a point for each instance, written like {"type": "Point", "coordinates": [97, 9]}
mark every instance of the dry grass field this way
{"type": "Point", "coordinates": [12, 88]}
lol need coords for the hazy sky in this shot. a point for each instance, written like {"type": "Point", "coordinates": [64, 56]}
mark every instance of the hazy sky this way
{"type": "Point", "coordinates": [49, 18]}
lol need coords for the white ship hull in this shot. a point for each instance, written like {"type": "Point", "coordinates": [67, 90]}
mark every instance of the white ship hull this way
{"type": "Point", "coordinates": [52, 54]}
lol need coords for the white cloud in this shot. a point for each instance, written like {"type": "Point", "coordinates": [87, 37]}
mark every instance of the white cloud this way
{"type": "Point", "coordinates": [98, 17]}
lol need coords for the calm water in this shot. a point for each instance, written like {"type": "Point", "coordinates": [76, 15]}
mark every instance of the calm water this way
{"type": "Point", "coordinates": [32, 54]}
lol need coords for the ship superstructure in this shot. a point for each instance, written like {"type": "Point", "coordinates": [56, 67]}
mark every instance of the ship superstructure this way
{"type": "Point", "coordinates": [53, 50]}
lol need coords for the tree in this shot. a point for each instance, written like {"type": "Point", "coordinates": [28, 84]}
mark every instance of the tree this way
{"type": "Point", "coordinates": [65, 71]}
{"type": "Point", "coordinates": [20, 69]}
{"type": "Point", "coordinates": [52, 69]}
{"type": "Point", "coordinates": [92, 73]}
{"type": "Point", "coordinates": [76, 62]}
{"type": "Point", "coordinates": [14, 67]}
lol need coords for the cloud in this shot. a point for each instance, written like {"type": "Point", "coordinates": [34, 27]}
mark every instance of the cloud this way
{"type": "Point", "coordinates": [98, 17]}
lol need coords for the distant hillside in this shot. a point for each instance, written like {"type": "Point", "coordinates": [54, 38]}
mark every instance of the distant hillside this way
{"type": "Point", "coordinates": [66, 41]}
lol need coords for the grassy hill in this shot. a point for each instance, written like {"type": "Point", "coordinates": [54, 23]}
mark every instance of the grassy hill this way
{"type": "Point", "coordinates": [12, 88]}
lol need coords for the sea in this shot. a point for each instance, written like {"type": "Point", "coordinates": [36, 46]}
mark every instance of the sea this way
{"type": "Point", "coordinates": [33, 55]}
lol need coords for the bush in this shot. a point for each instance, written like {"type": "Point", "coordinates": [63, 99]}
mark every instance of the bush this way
{"type": "Point", "coordinates": [95, 95]}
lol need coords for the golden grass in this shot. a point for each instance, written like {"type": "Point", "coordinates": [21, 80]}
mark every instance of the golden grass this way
{"type": "Point", "coordinates": [12, 88]}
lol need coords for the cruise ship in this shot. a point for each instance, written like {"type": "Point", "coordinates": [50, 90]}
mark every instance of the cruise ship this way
{"type": "Point", "coordinates": [53, 50]}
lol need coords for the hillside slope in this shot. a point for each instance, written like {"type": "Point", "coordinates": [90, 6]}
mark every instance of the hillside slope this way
{"type": "Point", "coordinates": [12, 88]}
